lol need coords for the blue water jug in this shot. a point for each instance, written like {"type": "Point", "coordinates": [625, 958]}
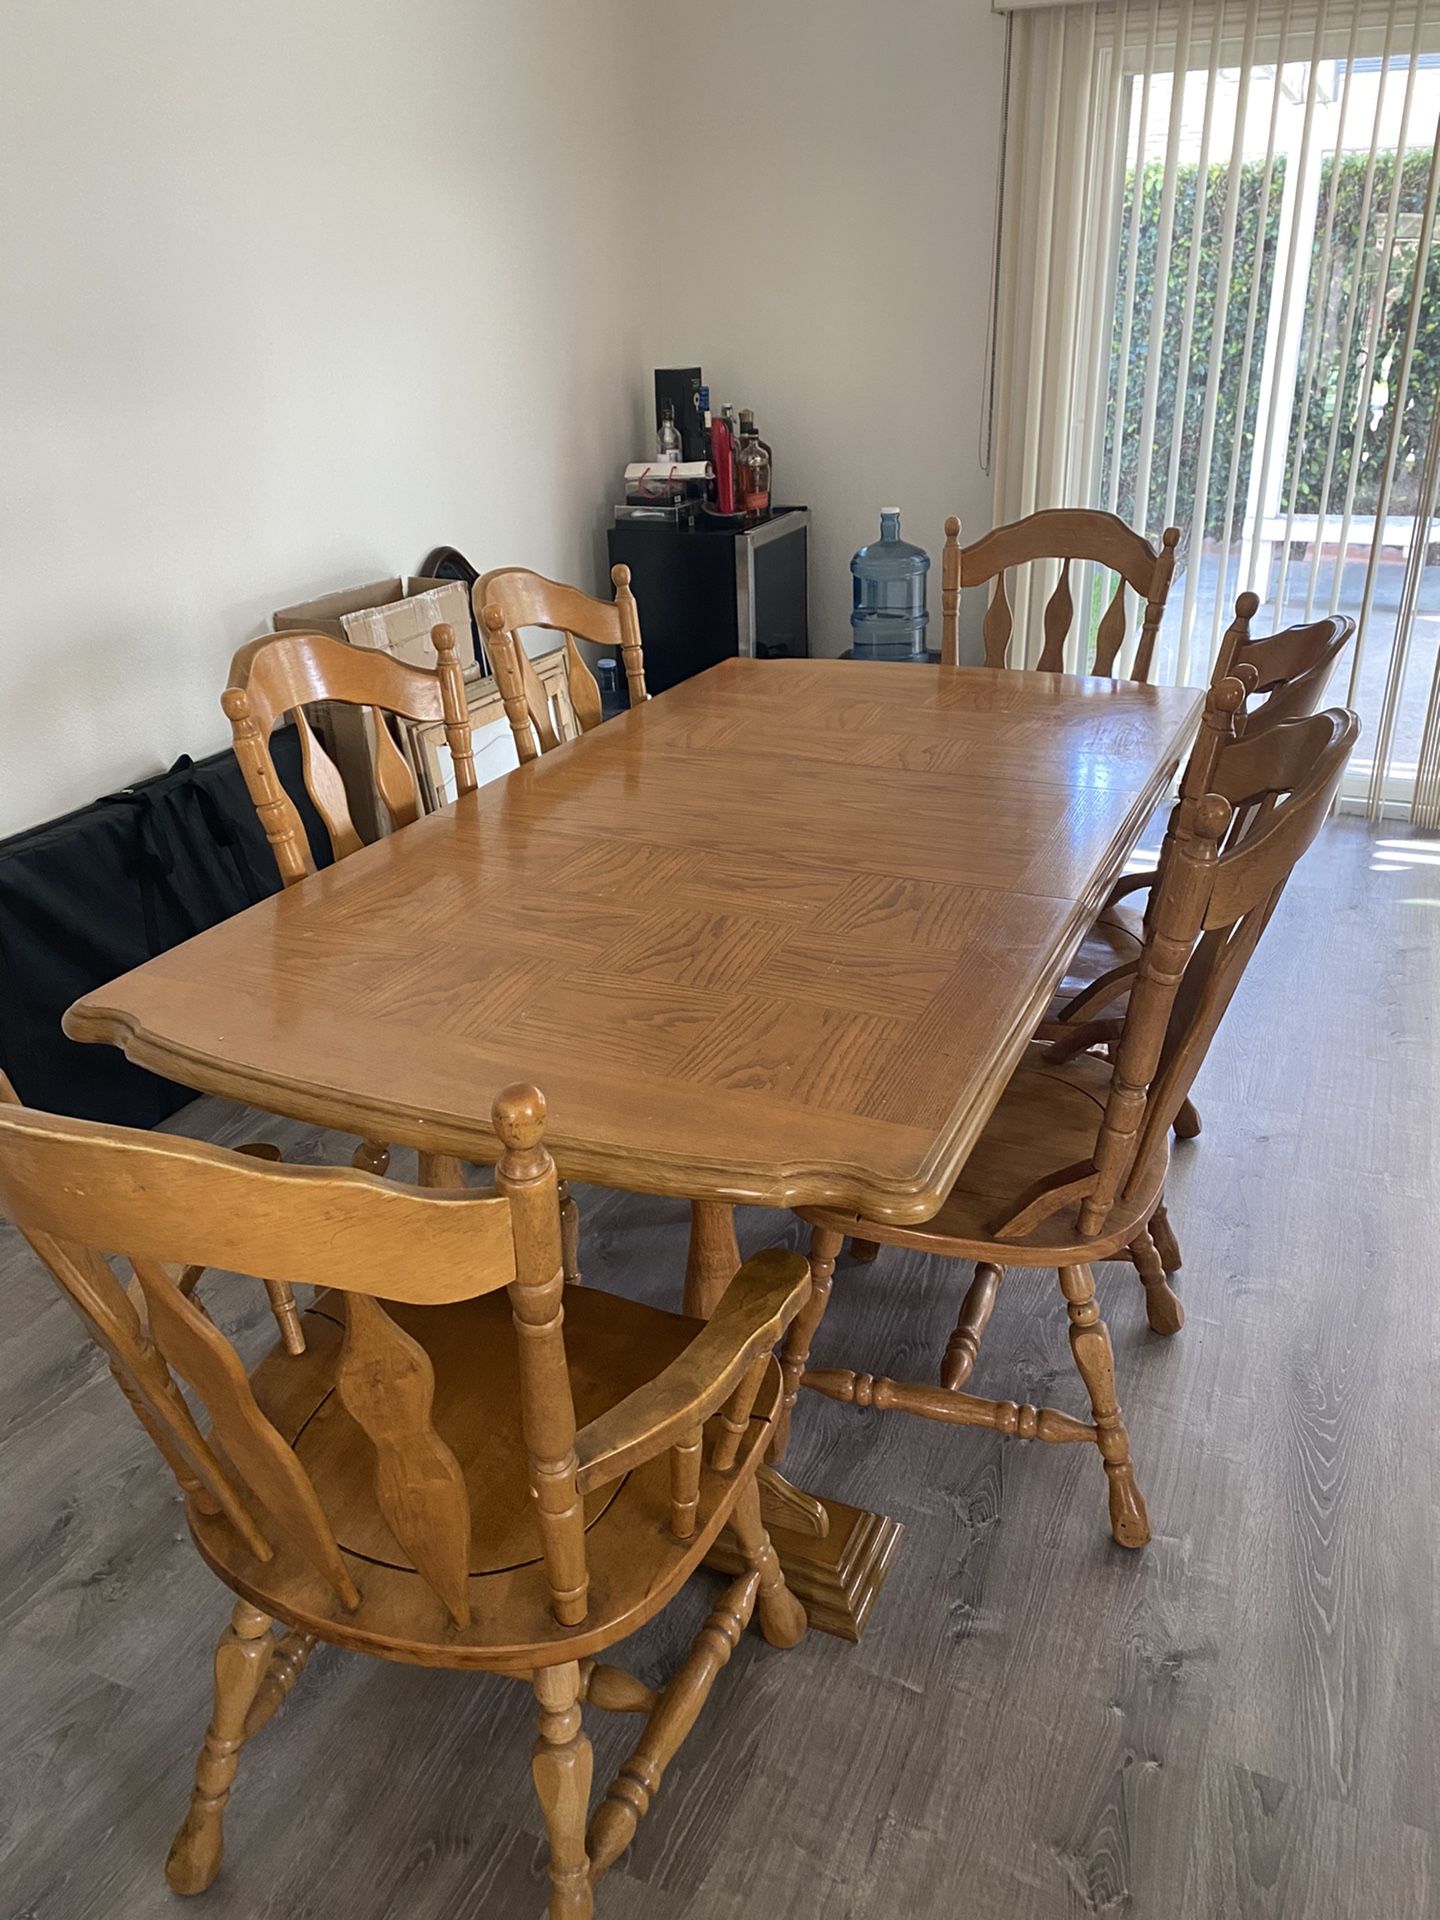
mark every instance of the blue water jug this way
{"type": "Point", "coordinates": [890, 615]}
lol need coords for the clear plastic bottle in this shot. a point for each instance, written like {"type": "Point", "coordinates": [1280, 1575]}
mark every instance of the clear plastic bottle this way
{"type": "Point", "coordinates": [890, 614]}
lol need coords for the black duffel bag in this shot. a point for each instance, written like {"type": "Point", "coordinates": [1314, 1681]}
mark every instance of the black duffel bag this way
{"type": "Point", "coordinates": [87, 897]}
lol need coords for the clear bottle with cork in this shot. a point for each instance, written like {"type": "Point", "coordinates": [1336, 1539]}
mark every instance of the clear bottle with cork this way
{"type": "Point", "coordinates": [747, 425]}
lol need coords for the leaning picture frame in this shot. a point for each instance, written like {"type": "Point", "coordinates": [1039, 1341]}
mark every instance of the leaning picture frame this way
{"type": "Point", "coordinates": [428, 752]}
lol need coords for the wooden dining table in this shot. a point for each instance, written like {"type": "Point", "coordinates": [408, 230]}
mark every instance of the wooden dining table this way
{"type": "Point", "coordinates": [774, 938]}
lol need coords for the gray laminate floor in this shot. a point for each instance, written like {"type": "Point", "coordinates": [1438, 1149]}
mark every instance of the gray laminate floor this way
{"type": "Point", "coordinates": [1241, 1720]}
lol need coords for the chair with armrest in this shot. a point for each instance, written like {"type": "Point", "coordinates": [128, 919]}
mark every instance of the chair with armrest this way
{"type": "Point", "coordinates": [470, 1466]}
{"type": "Point", "coordinates": [1284, 676]}
{"type": "Point", "coordinates": [1071, 1166]}
{"type": "Point", "coordinates": [509, 599]}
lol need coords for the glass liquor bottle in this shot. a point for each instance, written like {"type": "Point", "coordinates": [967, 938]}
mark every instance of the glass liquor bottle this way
{"type": "Point", "coordinates": [753, 465]}
{"type": "Point", "coordinates": [668, 450]}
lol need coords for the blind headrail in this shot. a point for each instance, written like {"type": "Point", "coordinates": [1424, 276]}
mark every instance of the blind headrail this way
{"type": "Point", "coordinates": [1284, 29]}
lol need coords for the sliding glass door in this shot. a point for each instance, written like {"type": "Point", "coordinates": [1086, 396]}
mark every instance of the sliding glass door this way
{"type": "Point", "coordinates": [1257, 344]}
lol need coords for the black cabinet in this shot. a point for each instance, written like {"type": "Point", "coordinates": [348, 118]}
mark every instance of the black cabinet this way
{"type": "Point", "coordinates": [706, 595]}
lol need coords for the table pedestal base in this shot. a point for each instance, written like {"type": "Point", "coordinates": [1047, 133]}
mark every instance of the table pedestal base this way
{"type": "Point", "coordinates": [835, 1578]}
{"type": "Point", "coordinates": [835, 1557]}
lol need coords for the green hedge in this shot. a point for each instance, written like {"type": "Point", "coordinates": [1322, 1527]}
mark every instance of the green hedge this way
{"type": "Point", "coordinates": [1190, 380]}
{"type": "Point", "coordinates": [1352, 273]}
{"type": "Point", "coordinates": [1368, 403]}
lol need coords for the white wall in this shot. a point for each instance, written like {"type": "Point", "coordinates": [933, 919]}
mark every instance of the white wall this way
{"type": "Point", "coordinates": [293, 290]}
{"type": "Point", "coordinates": [850, 226]}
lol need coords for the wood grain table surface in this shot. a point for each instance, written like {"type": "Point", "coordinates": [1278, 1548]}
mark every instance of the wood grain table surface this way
{"type": "Point", "coordinates": [776, 937]}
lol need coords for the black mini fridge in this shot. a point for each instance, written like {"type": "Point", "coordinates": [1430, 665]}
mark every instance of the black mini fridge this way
{"type": "Point", "coordinates": [705, 596]}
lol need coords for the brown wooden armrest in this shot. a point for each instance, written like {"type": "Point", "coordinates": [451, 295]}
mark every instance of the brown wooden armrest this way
{"type": "Point", "coordinates": [1131, 883]}
{"type": "Point", "coordinates": [1035, 1205]}
{"type": "Point", "coordinates": [1100, 993]}
{"type": "Point", "coordinates": [756, 1308]}
{"type": "Point", "coordinates": [1067, 1038]}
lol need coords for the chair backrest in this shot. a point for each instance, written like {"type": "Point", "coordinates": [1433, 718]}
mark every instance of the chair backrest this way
{"type": "Point", "coordinates": [1292, 667]}
{"type": "Point", "coordinates": [1210, 903]}
{"type": "Point", "coordinates": [507, 600]}
{"type": "Point", "coordinates": [1285, 780]}
{"type": "Point", "coordinates": [1063, 534]}
{"type": "Point", "coordinates": [281, 673]}
{"type": "Point", "coordinates": [80, 1191]}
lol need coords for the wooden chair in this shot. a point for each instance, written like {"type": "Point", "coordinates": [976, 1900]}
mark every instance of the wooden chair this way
{"type": "Point", "coordinates": [1065, 534]}
{"type": "Point", "coordinates": [1071, 1167]}
{"type": "Point", "coordinates": [281, 674]}
{"type": "Point", "coordinates": [447, 1477]}
{"type": "Point", "coordinates": [1290, 670]}
{"type": "Point", "coordinates": [511, 598]}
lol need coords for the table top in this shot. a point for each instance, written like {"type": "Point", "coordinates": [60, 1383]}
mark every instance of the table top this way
{"type": "Point", "coordinates": [778, 936]}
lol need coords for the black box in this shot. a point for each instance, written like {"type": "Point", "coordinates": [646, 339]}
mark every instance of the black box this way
{"type": "Point", "coordinates": [679, 385]}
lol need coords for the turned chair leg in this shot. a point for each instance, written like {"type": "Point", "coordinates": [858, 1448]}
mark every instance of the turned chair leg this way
{"type": "Point", "coordinates": [1095, 1363]}
{"type": "Point", "coordinates": [1162, 1309]}
{"type": "Point", "coordinates": [372, 1156]}
{"type": "Point", "coordinates": [281, 1295]}
{"type": "Point", "coordinates": [444, 1171]}
{"type": "Point", "coordinates": [561, 1766]}
{"type": "Point", "coordinates": [824, 1250]}
{"type": "Point", "coordinates": [1187, 1121]}
{"type": "Point", "coordinates": [630, 1794]}
{"type": "Point", "coordinates": [862, 1252]}
{"type": "Point", "coordinates": [1166, 1245]}
{"type": "Point", "coordinates": [287, 1315]}
{"type": "Point", "coordinates": [782, 1618]}
{"type": "Point", "coordinates": [569, 1236]}
{"type": "Point", "coordinates": [970, 1324]}
{"type": "Point", "coordinates": [242, 1660]}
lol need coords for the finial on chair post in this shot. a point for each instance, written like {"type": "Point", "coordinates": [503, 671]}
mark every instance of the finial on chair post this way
{"type": "Point", "coordinates": [1174, 923]}
{"type": "Point", "coordinates": [455, 707]}
{"type": "Point", "coordinates": [504, 650]}
{"type": "Point", "coordinates": [518, 1116]}
{"type": "Point", "coordinates": [1247, 605]}
{"type": "Point", "coordinates": [631, 649]}
{"type": "Point", "coordinates": [1155, 604]}
{"type": "Point", "coordinates": [526, 1175]}
{"type": "Point", "coordinates": [950, 595]}
{"type": "Point", "coordinates": [1237, 634]}
{"type": "Point", "coordinates": [271, 802]}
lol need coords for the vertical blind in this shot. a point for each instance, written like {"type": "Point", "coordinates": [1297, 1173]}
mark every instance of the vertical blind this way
{"type": "Point", "coordinates": [1219, 308]}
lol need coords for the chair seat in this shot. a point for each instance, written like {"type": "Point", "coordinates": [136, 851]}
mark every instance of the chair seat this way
{"type": "Point", "coordinates": [1113, 941]}
{"type": "Point", "coordinates": [1047, 1120]}
{"type": "Point", "coordinates": [613, 1345]}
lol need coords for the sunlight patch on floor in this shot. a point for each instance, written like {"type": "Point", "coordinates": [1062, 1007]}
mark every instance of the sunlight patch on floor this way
{"type": "Point", "coordinates": [1396, 856]}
